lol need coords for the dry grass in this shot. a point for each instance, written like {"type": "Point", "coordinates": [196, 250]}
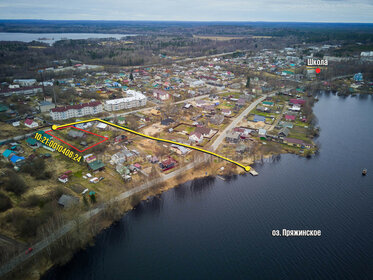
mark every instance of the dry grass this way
{"type": "Point", "coordinates": [218, 38]}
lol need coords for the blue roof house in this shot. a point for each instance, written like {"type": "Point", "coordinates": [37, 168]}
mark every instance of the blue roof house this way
{"type": "Point", "coordinates": [258, 118]}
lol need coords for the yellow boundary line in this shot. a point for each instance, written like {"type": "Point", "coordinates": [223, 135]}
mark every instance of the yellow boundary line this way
{"type": "Point", "coordinates": [246, 168]}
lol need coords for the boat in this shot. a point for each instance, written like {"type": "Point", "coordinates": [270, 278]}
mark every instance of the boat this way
{"type": "Point", "coordinates": [365, 171]}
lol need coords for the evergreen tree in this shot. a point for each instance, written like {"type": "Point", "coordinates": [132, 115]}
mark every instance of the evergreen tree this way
{"type": "Point", "coordinates": [248, 82]}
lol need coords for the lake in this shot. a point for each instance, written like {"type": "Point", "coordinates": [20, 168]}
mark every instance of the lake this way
{"type": "Point", "coordinates": [214, 229]}
{"type": "Point", "coordinates": [51, 38]}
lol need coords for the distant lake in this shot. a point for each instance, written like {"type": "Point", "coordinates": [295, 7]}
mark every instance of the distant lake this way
{"type": "Point", "coordinates": [51, 38]}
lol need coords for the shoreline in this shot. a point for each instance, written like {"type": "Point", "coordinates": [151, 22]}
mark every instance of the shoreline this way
{"type": "Point", "coordinates": [116, 209]}
{"type": "Point", "coordinates": [92, 222]}
{"type": "Point", "coordinates": [155, 191]}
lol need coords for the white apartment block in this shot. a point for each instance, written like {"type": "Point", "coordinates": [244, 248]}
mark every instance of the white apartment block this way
{"type": "Point", "coordinates": [133, 99]}
{"type": "Point", "coordinates": [75, 111]}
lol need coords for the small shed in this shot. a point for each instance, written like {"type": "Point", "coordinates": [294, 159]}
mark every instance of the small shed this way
{"type": "Point", "coordinates": [68, 201]}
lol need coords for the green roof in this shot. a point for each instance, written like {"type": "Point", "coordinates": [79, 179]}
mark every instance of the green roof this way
{"type": "Point", "coordinates": [288, 72]}
{"type": "Point", "coordinates": [41, 132]}
{"type": "Point", "coordinates": [96, 165]}
{"type": "Point", "coordinates": [268, 102]}
{"type": "Point", "coordinates": [3, 108]}
{"type": "Point", "coordinates": [31, 141]}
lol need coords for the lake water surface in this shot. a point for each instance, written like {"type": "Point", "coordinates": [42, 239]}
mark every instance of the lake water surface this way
{"type": "Point", "coordinates": [51, 38]}
{"type": "Point", "coordinates": [214, 229]}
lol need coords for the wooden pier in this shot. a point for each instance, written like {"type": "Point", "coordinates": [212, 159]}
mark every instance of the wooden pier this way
{"type": "Point", "coordinates": [253, 172]}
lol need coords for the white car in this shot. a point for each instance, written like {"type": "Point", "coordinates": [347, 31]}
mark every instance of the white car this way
{"type": "Point", "coordinates": [94, 180]}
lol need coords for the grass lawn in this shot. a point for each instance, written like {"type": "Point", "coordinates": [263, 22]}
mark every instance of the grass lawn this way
{"type": "Point", "coordinates": [299, 133]}
{"type": "Point", "coordinates": [184, 127]}
{"type": "Point", "coordinates": [301, 124]}
{"type": "Point", "coordinates": [268, 115]}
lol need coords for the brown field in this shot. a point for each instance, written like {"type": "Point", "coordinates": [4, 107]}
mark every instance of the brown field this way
{"type": "Point", "coordinates": [218, 38]}
{"type": "Point", "coordinates": [261, 37]}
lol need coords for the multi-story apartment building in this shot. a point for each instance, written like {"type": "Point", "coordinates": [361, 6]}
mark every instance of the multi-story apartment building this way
{"type": "Point", "coordinates": [75, 111]}
{"type": "Point", "coordinates": [133, 99]}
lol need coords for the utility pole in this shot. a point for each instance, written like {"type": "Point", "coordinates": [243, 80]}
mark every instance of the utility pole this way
{"type": "Point", "coordinates": [42, 81]}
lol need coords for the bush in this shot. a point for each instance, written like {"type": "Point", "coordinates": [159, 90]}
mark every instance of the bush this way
{"type": "Point", "coordinates": [25, 224]}
{"type": "Point", "coordinates": [14, 183]}
{"type": "Point", "coordinates": [56, 193]}
{"type": "Point", "coordinates": [5, 202]}
{"type": "Point", "coordinates": [33, 200]}
{"type": "Point", "coordinates": [34, 168]}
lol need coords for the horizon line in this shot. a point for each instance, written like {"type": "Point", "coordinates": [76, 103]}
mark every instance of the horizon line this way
{"type": "Point", "coordinates": [188, 21]}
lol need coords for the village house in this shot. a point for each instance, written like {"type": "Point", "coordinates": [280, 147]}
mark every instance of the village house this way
{"type": "Point", "coordinates": [294, 142]}
{"type": "Point", "coordinates": [196, 137]}
{"type": "Point", "coordinates": [262, 109]}
{"type": "Point", "coordinates": [16, 123]}
{"type": "Point", "coordinates": [226, 112]}
{"type": "Point", "coordinates": [187, 106]}
{"type": "Point", "coordinates": [74, 133]}
{"type": "Point", "coordinates": [32, 142]}
{"type": "Point", "coordinates": [243, 132]}
{"type": "Point", "coordinates": [102, 126]}
{"type": "Point", "coordinates": [120, 138]}
{"type": "Point", "coordinates": [204, 131]}
{"type": "Point", "coordinates": [118, 158]}
{"type": "Point", "coordinates": [232, 137]}
{"type": "Point", "coordinates": [167, 121]}
{"type": "Point", "coordinates": [258, 118]}
{"type": "Point", "coordinates": [63, 178]}
{"type": "Point", "coordinates": [217, 119]}
{"type": "Point", "coordinates": [31, 123]}
{"type": "Point", "coordinates": [241, 102]}
{"type": "Point", "coordinates": [180, 150]}
{"type": "Point", "coordinates": [262, 133]}
{"type": "Point", "coordinates": [295, 101]}
{"type": "Point", "coordinates": [284, 132]}
{"type": "Point", "coordinates": [168, 164]}
{"type": "Point", "coordinates": [68, 201]}
{"type": "Point", "coordinates": [161, 94]}
{"type": "Point", "coordinates": [96, 165]}
{"type": "Point", "coordinates": [290, 118]}
{"type": "Point", "coordinates": [153, 159]}
{"type": "Point", "coordinates": [295, 108]}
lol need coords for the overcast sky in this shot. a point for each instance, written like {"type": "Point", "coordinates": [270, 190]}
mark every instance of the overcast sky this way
{"type": "Point", "coordinates": [191, 10]}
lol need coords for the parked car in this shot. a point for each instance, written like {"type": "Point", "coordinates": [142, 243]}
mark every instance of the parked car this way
{"type": "Point", "coordinates": [29, 250]}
